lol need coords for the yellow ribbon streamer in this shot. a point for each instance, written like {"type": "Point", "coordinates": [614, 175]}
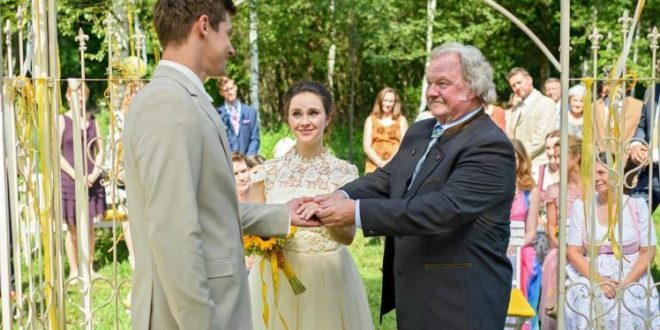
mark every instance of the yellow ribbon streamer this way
{"type": "Point", "coordinates": [264, 291]}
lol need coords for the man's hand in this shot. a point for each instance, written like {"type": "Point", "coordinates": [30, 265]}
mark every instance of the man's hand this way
{"type": "Point", "coordinates": [337, 213]}
{"type": "Point", "coordinates": [638, 154]}
{"type": "Point", "coordinates": [326, 198]}
{"type": "Point", "coordinates": [296, 219]}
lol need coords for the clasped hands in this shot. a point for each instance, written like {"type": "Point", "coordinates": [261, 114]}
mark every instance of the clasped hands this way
{"type": "Point", "coordinates": [330, 210]}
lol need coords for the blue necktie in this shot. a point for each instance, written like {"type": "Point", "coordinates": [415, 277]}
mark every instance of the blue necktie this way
{"type": "Point", "coordinates": [437, 132]}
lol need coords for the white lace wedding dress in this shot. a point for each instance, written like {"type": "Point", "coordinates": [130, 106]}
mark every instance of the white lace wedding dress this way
{"type": "Point", "coordinates": [335, 297]}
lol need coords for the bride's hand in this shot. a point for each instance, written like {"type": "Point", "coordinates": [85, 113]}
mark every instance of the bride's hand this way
{"type": "Point", "coordinates": [307, 211]}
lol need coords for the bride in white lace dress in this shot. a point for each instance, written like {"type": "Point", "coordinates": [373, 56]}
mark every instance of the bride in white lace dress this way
{"type": "Point", "coordinates": [335, 297]}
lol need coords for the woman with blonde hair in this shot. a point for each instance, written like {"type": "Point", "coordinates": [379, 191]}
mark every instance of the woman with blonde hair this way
{"type": "Point", "coordinates": [548, 303]}
{"type": "Point", "coordinates": [525, 208]}
{"type": "Point", "coordinates": [383, 130]}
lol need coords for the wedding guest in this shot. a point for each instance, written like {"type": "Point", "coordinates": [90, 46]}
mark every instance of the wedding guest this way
{"type": "Point", "coordinates": [548, 304]}
{"type": "Point", "coordinates": [240, 119]}
{"type": "Point", "coordinates": [647, 132]}
{"type": "Point", "coordinates": [627, 285]}
{"type": "Point", "coordinates": [255, 163]}
{"type": "Point", "coordinates": [532, 118]}
{"type": "Point", "coordinates": [243, 183]}
{"type": "Point", "coordinates": [525, 208]}
{"type": "Point", "coordinates": [625, 110]}
{"type": "Point", "coordinates": [242, 177]}
{"type": "Point", "coordinates": [576, 105]}
{"type": "Point", "coordinates": [383, 130]}
{"type": "Point", "coordinates": [91, 172]}
{"type": "Point", "coordinates": [497, 114]}
{"type": "Point", "coordinates": [548, 173]}
{"type": "Point", "coordinates": [552, 89]}
{"type": "Point", "coordinates": [335, 297]}
{"type": "Point", "coordinates": [283, 146]}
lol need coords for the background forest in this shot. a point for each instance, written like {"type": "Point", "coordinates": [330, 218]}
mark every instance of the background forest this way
{"type": "Point", "coordinates": [378, 43]}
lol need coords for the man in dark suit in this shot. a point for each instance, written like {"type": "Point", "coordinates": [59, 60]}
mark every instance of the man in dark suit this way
{"type": "Point", "coordinates": [444, 203]}
{"type": "Point", "coordinates": [241, 120]}
{"type": "Point", "coordinates": [639, 151]}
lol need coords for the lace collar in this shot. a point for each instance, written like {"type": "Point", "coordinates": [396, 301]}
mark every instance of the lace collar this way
{"type": "Point", "coordinates": [293, 155]}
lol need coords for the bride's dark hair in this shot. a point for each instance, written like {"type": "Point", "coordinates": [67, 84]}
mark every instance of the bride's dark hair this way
{"type": "Point", "coordinates": [307, 86]}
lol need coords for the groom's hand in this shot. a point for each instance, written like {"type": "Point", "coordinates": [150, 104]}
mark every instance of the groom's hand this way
{"type": "Point", "coordinates": [296, 219]}
{"type": "Point", "coordinates": [337, 212]}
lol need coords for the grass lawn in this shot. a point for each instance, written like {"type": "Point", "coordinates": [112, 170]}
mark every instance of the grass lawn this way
{"type": "Point", "coordinates": [367, 256]}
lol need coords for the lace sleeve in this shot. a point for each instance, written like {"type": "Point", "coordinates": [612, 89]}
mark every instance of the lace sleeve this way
{"type": "Point", "coordinates": [348, 173]}
{"type": "Point", "coordinates": [268, 172]}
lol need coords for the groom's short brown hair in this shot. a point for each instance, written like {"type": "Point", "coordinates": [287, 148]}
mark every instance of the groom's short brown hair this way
{"type": "Point", "coordinates": [174, 18]}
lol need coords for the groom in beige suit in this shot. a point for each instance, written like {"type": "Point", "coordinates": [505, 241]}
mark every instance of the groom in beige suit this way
{"type": "Point", "coordinates": [185, 218]}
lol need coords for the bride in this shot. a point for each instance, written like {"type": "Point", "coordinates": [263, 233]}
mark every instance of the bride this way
{"type": "Point", "coordinates": [335, 297]}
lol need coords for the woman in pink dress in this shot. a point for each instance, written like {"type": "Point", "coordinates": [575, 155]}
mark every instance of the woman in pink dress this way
{"type": "Point", "coordinates": [551, 262]}
{"type": "Point", "coordinates": [525, 208]}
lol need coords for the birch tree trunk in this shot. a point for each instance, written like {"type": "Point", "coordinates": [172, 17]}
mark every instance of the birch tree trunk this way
{"type": "Point", "coordinates": [254, 56]}
{"type": "Point", "coordinates": [430, 18]}
{"type": "Point", "coordinates": [333, 49]}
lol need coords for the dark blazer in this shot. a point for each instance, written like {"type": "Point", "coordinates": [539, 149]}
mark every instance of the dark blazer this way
{"type": "Point", "coordinates": [645, 123]}
{"type": "Point", "coordinates": [445, 264]}
{"type": "Point", "coordinates": [247, 140]}
{"type": "Point", "coordinates": [643, 132]}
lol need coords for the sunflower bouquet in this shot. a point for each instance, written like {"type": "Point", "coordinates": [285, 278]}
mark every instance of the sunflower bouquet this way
{"type": "Point", "coordinates": [271, 249]}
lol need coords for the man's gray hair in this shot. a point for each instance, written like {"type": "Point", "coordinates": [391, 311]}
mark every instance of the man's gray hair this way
{"type": "Point", "coordinates": [477, 72]}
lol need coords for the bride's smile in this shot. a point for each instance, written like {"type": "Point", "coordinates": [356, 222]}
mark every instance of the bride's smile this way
{"type": "Point", "coordinates": [307, 120]}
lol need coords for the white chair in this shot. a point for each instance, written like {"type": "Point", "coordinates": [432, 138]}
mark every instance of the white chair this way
{"type": "Point", "coordinates": [519, 308]}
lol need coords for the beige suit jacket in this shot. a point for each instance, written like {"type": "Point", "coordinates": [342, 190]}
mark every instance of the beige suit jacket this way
{"type": "Point", "coordinates": [185, 218]}
{"type": "Point", "coordinates": [531, 125]}
{"type": "Point", "coordinates": [632, 112]}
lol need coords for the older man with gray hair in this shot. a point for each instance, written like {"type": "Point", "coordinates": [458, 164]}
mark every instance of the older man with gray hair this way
{"type": "Point", "coordinates": [444, 202]}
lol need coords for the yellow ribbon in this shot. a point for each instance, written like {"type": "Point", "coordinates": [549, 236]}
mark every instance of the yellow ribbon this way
{"type": "Point", "coordinates": [272, 257]}
{"type": "Point", "coordinates": [264, 291]}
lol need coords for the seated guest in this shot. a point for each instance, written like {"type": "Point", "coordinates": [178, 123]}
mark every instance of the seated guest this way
{"type": "Point", "coordinates": [548, 173]}
{"type": "Point", "coordinates": [576, 105]}
{"type": "Point", "coordinates": [254, 162]}
{"type": "Point", "coordinates": [242, 177]}
{"type": "Point", "coordinates": [243, 183]}
{"type": "Point", "coordinates": [548, 304]}
{"type": "Point", "coordinates": [620, 281]}
{"type": "Point", "coordinates": [240, 119]}
{"type": "Point", "coordinates": [525, 208]}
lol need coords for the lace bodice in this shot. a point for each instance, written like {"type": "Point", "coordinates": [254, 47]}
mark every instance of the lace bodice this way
{"type": "Point", "coordinates": [292, 176]}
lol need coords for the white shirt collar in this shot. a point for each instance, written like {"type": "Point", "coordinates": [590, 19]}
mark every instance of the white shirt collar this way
{"type": "Point", "coordinates": [188, 74]}
{"type": "Point", "coordinates": [530, 99]}
{"type": "Point", "coordinates": [465, 117]}
{"type": "Point", "coordinates": [237, 107]}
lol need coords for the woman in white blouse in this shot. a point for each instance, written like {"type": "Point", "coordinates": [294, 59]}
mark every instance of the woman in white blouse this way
{"type": "Point", "coordinates": [624, 282]}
